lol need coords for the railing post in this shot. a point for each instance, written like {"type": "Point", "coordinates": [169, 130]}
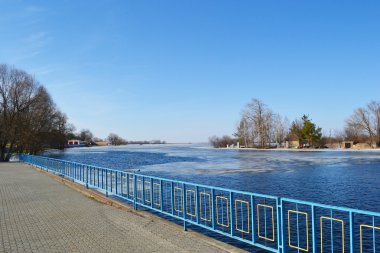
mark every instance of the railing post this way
{"type": "Point", "coordinates": [161, 195]}
{"type": "Point", "coordinates": [197, 203]}
{"type": "Point", "coordinates": [111, 181]}
{"type": "Point", "coordinates": [134, 192]}
{"type": "Point", "coordinates": [232, 213]}
{"type": "Point", "coordinates": [76, 171]}
{"type": "Point", "coordinates": [127, 185]}
{"type": "Point", "coordinates": [313, 229]}
{"type": "Point", "coordinates": [331, 231]}
{"type": "Point", "coordinates": [89, 174]}
{"type": "Point", "coordinates": [253, 219]}
{"type": "Point", "coordinates": [81, 177]}
{"type": "Point", "coordinates": [373, 234]}
{"type": "Point", "coordinates": [184, 206]}
{"type": "Point", "coordinates": [143, 190]}
{"type": "Point", "coordinates": [352, 232]}
{"type": "Point", "coordinates": [98, 174]}
{"type": "Point", "coordinates": [213, 208]}
{"type": "Point", "coordinates": [172, 196]}
{"type": "Point", "coordinates": [87, 177]}
{"type": "Point", "coordinates": [102, 179]}
{"type": "Point", "coordinates": [298, 227]}
{"type": "Point", "coordinates": [92, 177]}
{"type": "Point", "coordinates": [106, 182]}
{"type": "Point", "coordinates": [121, 183]}
{"type": "Point", "coordinates": [280, 244]}
{"type": "Point", "coordinates": [116, 183]}
{"type": "Point", "coordinates": [71, 170]}
{"type": "Point", "coordinates": [151, 193]}
{"type": "Point", "coordinates": [282, 226]}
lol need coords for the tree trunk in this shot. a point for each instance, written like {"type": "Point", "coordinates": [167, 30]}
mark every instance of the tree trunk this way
{"type": "Point", "coordinates": [2, 153]}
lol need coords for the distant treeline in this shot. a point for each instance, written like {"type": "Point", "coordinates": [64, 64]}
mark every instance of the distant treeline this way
{"type": "Point", "coordinates": [147, 142]}
{"type": "Point", "coordinates": [222, 142]}
{"type": "Point", "coordinates": [112, 139]}
{"type": "Point", "coordinates": [30, 121]}
{"type": "Point", "coordinates": [260, 127]}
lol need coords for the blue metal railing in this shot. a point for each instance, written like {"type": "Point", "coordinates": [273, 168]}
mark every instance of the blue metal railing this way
{"type": "Point", "coordinates": [271, 223]}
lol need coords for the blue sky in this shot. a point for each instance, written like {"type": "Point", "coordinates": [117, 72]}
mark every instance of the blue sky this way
{"type": "Point", "coordinates": [182, 71]}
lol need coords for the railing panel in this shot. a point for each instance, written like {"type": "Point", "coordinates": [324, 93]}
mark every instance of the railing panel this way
{"type": "Point", "coordinates": [147, 183]}
{"type": "Point", "coordinates": [242, 216]}
{"type": "Point", "coordinates": [265, 221]}
{"type": "Point", "coordinates": [139, 189]}
{"type": "Point", "coordinates": [206, 206]}
{"type": "Point", "coordinates": [222, 211]}
{"type": "Point", "coordinates": [191, 203]}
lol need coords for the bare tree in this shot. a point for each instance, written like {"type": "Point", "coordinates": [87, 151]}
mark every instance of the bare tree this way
{"type": "Point", "coordinates": [116, 140]}
{"type": "Point", "coordinates": [222, 142]}
{"type": "Point", "coordinates": [29, 120]}
{"type": "Point", "coordinates": [256, 124]}
{"type": "Point", "coordinates": [281, 129]}
{"type": "Point", "coordinates": [86, 135]}
{"type": "Point", "coordinates": [242, 132]}
{"type": "Point", "coordinates": [365, 121]}
{"type": "Point", "coordinates": [374, 109]}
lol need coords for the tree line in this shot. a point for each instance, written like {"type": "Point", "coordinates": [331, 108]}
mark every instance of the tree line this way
{"type": "Point", "coordinates": [112, 139]}
{"type": "Point", "coordinates": [30, 121]}
{"type": "Point", "coordinates": [364, 125]}
{"type": "Point", "coordinates": [260, 127]}
{"type": "Point", "coordinates": [88, 137]}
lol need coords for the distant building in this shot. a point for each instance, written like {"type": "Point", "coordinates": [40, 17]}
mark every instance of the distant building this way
{"type": "Point", "coordinates": [292, 141]}
{"type": "Point", "coordinates": [73, 142]}
{"type": "Point", "coordinates": [292, 144]}
{"type": "Point", "coordinates": [347, 144]}
{"type": "Point", "coordinates": [359, 145]}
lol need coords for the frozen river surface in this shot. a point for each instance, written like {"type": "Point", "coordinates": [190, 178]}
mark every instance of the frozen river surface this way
{"type": "Point", "coordinates": [343, 178]}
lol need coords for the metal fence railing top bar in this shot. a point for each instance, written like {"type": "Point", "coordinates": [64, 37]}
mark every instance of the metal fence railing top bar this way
{"type": "Point", "coordinates": [346, 209]}
{"type": "Point", "coordinates": [271, 223]}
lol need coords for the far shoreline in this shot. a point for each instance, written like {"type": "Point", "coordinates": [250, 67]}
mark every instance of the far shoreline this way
{"type": "Point", "coordinates": [303, 150]}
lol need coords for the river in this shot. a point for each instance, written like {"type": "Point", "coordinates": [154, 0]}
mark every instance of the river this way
{"type": "Point", "coordinates": [342, 178]}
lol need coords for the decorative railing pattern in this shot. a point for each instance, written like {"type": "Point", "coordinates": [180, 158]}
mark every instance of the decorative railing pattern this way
{"type": "Point", "coordinates": [271, 223]}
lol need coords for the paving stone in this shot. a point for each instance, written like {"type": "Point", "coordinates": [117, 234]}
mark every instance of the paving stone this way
{"type": "Point", "coordinates": [38, 214]}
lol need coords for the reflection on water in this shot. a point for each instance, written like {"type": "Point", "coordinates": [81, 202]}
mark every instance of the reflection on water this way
{"type": "Point", "coordinates": [328, 177]}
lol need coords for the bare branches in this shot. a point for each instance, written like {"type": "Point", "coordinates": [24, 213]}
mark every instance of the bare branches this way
{"type": "Point", "coordinates": [365, 122]}
{"type": "Point", "coordinates": [221, 142]}
{"type": "Point", "coordinates": [256, 125]}
{"type": "Point", "coordinates": [29, 118]}
{"type": "Point", "coordinates": [116, 140]}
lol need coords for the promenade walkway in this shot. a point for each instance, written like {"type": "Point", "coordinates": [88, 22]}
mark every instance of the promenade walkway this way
{"type": "Point", "coordinates": [40, 214]}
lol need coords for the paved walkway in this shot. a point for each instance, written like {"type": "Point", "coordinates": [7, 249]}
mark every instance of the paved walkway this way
{"type": "Point", "coordinates": [39, 214]}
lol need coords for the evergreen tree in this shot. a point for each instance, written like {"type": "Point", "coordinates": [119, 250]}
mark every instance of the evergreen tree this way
{"type": "Point", "coordinates": [306, 131]}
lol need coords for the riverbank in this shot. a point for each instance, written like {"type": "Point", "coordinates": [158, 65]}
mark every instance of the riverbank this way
{"type": "Point", "coordinates": [303, 149]}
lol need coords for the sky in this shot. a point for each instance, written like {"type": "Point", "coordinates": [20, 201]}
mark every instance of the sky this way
{"type": "Point", "coordinates": [182, 71]}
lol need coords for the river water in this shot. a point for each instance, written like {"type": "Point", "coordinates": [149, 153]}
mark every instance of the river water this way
{"type": "Point", "coordinates": [342, 178]}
